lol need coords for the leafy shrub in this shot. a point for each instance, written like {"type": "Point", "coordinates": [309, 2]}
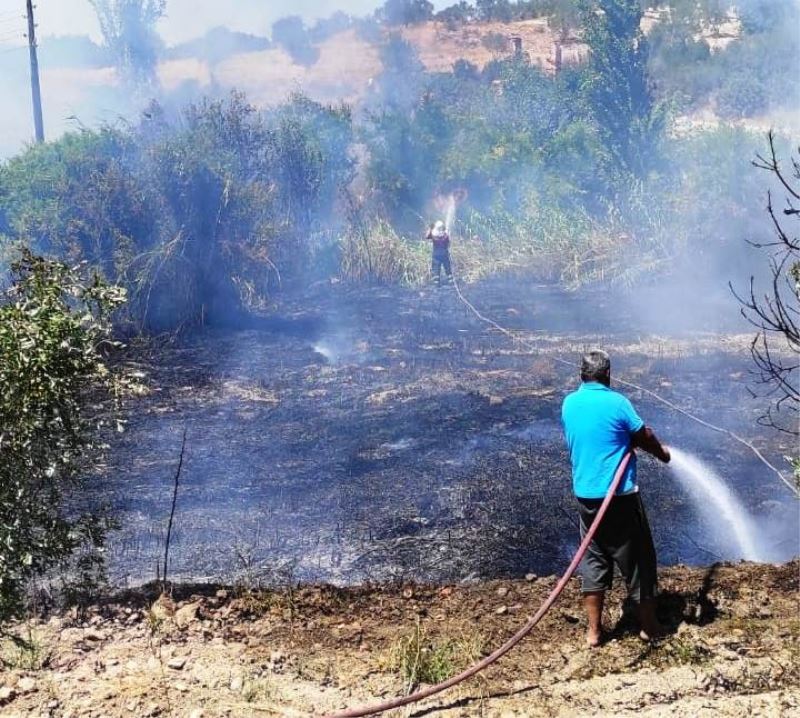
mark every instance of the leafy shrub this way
{"type": "Point", "coordinates": [54, 329]}
{"type": "Point", "coordinates": [192, 217]}
{"type": "Point", "coordinates": [464, 70]}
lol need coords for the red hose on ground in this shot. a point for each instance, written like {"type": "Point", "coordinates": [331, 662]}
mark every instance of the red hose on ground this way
{"type": "Point", "coordinates": [516, 638]}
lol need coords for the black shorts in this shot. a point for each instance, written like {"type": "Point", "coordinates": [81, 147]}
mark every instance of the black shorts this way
{"type": "Point", "coordinates": [623, 539]}
{"type": "Point", "coordinates": [439, 260]}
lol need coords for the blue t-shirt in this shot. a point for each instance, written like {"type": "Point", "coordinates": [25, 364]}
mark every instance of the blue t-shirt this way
{"type": "Point", "coordinates": [598, 425]}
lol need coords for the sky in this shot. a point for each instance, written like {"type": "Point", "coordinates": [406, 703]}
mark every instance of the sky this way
{"type": "Point", "coordinates": [185, 19]}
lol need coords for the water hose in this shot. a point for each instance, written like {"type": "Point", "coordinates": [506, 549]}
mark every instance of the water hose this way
{"type": "Point", "coordinates": [666, 402]}
{"type": "Point", "coordinates": [517, 637]}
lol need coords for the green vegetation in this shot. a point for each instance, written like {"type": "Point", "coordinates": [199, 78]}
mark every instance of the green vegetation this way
{"type": "Point", "coordinates": [678, 651]}
{"type": "Point", "coordinates": [203, 214]}
{"type": "Point", "coordinates": [418, 659]}
{"type": "Point", "coordinates": [130, 37]}
{"type": "Point", "coordinates": [54, 332]}
{"type": "Point", "coordinates": [23, 653]}
{"type": "Point", "coordinates": [193, 218]}
{"type": "Point", "coordinates": [629, 123]}
{"type": "Point", "coordinates": [405, 12]}
{"type": "Point", "coordinates": [575, 177]}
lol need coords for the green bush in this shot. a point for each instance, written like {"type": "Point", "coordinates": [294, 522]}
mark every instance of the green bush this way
{"type": "Point", "coordinates": [405, 12]}
{"type": "Point", "coordinates": [54, 331]}
{"type": "Point", "coordinates": [196, 218]}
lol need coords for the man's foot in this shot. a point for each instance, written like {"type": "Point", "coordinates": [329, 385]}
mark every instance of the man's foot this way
{"type": "Point", "coordinates": [651, 628]}
{"type": "Point", "coordinates": [652, 633]}
{"type": "Point", "coordinates": [593, 603]}
{"type": "Point", "coordinates": [594, 639]}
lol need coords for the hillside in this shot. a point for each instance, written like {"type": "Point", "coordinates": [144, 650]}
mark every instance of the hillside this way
{"type": "Point", "coordinates": [213, 651]}
{"type": "Point", "coordinates": [348, 63]}
{"type": "Point", "coordinates": [345, 70]}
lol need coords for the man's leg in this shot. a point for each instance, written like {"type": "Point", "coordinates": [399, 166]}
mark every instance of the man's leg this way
{"type": "Point", "coordinates": [593, 603]}
{"type": "Point", "coordinates": [596, 571]}
{"type": "Point", "coordinates": [636, 558]}
{"type": "Point", "coordinates": [436, 268]}
{"type": "Point", "coordinates": [447, 269]}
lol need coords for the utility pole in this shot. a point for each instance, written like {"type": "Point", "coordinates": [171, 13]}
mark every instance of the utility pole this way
{"type": "Point", "coordinates": [35, 90]}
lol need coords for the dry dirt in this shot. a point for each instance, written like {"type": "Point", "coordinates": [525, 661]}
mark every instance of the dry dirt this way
{"type": "Point", "coordinates": [732, 650]}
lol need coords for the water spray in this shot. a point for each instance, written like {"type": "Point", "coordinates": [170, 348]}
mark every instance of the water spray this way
{"type": "Point", "coordinates": [448, 206]}
{"type": "Point", "coordinates": [717, 504]}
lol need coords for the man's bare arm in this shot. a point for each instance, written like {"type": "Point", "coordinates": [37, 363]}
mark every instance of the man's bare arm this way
{"type": "Point", "coordinates": [646, 439]}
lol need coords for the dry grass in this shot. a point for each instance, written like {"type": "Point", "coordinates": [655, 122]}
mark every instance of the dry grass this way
{"type": "Point", "coordinates": [544, 244]}
{"type": "Point", "coordinates": [419, 658]}
{"type": "Point", "coordinates": [379, 254]}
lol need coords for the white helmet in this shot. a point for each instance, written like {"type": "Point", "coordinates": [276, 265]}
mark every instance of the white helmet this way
{"type": "Point", "coordinates": [439, 230]}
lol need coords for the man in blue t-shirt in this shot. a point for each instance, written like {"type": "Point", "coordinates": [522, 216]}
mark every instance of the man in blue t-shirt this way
{"type": "Point", "coordinates": [601, 426]}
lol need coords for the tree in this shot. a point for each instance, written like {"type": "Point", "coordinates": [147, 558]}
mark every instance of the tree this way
{"type": "Point", "coordinates": [128, 28]}
{"type": "Point", "coordinates": [564, 17]}
{"type": "Point", "coordinates": [629, 122]}
{"type": "Point", "coordinates": [776, 312]}
{"type": "Point", "coordinates": [54, 328]}
{"type": "Point", "coordinates": [291, 34]}
{"type": "Point", "coordinates": [403, 73]}
{"type": "Point", "coordinates": [457, 14]}
{"type": "Point", "coordinates": [494, 10]}
{"type": "Point", "coordinates": [406, 12]}
{"type": "Point", "coordinates": [328, 27]}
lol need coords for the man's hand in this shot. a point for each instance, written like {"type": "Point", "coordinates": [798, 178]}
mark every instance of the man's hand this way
{"type": "Point", "coordinates": [646, 439]}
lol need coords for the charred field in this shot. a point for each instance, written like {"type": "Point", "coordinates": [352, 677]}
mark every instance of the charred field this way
{"type": "Point", "coordinates": [386, 434]}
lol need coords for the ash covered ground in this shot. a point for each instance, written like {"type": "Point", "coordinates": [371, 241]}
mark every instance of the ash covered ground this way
{"type": "Point", "coordinates": [387, 434]}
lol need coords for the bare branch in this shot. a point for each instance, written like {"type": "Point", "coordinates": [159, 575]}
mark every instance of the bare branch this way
{"type": "Point", "coordinates": [776, 314]}
{"type": "Point", "coordinates": [174, 504]}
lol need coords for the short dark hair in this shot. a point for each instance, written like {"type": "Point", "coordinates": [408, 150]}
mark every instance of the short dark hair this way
{"type": "Point", "coordinates": [595, 366]}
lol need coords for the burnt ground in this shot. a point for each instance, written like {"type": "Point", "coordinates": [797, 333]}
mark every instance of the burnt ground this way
{"type": "Point", "coordinates": [733, 649]}
{"type": "Point", "coordinates": [386, 434]}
